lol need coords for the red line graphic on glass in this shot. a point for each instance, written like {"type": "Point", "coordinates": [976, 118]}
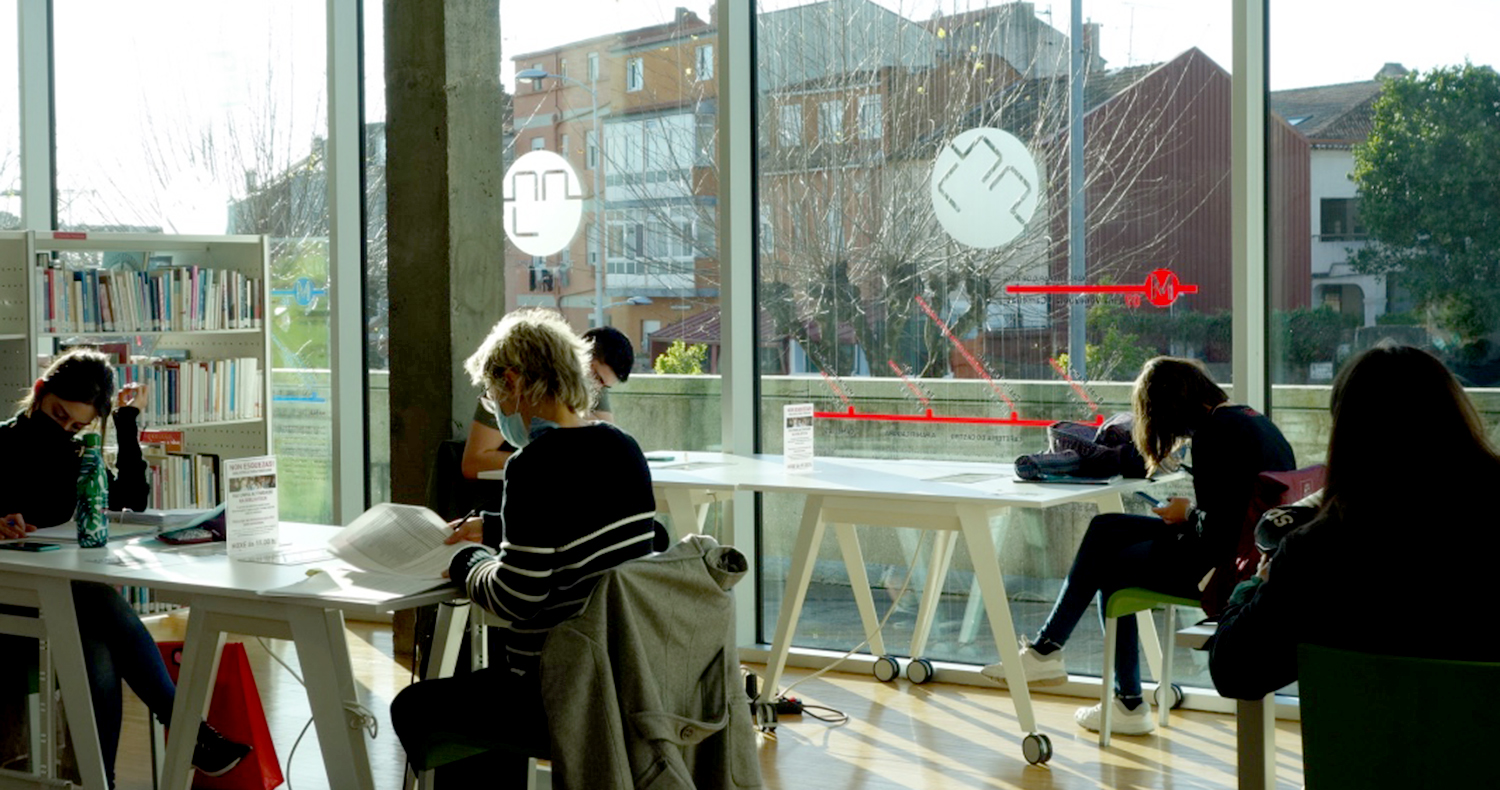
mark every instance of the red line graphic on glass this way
{"type": "Point", "coordinates": [968, 357]}
{"type": "Point", "coordinates": [1161, 288]}
{"type": "Point", "coordinates": [907, 382]}
{"type": "Point", "coordinates": [928, 416]}
{"type": "Point", "coordinates": [1093, 407]}
{"type": "Point", "coordinates": [837, 390]}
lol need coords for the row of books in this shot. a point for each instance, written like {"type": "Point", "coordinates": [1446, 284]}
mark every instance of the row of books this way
{"type": "Point", "coordinates": [183, 480]}
{"type": "Point", "coordinates": [183, 299]}
{"type": "Point", "coordinates": [185, 392]}
{"type": "Point", "coordinates": [144, 601]}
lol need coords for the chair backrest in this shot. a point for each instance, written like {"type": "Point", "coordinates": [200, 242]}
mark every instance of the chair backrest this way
{"type": "Point", "coordinates": [1372, 721]}
{"type": "Point", "coordinates": [1271, 489]}
{"type": "Point", "coordinates": [647, 676]}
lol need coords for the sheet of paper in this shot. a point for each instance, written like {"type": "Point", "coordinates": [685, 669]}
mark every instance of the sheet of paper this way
{"type": "Point", "coordinates": [354, 585]}
{"type": "Point", "coordinates": [252, 519]}
{"type": "Point", "coordinates": [687, 466]}
{"type": "Point", "coordinates": [67, 532]}
{"type": "Point", "coordinates": [797, 437]}
{"type": "Point", "coordinates": [397, 539]}
{"type": "Point", "coordinates": [969, 477]}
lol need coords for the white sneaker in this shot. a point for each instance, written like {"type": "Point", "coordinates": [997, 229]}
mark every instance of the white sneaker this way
{"type": "Point", "coordinates": [1122, 720]}
{"type": "Point", "coordinates": [1040, 670]}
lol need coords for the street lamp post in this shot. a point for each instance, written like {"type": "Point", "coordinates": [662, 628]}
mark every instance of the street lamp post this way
{"type": "Point", "coordinates": [542, 74]}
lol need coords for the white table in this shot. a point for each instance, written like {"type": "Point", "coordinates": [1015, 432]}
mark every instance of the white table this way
{"type": "Point", "coordinates": [224, 598]}
{"type": "Point", "coordinates": [897, 493]}
{"type": "Point", "coordinates": [690, 482]}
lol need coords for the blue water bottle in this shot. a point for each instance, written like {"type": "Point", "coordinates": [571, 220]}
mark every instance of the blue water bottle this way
{"type": "Point", "coordinates": [93, 495]}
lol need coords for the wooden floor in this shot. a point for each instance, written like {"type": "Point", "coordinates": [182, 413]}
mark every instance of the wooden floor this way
{"type": "Point", "coordinates": [899, 735]}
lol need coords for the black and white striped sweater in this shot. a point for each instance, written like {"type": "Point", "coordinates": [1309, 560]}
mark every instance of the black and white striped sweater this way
{"type": "Point", "coordinates": [578, 502]}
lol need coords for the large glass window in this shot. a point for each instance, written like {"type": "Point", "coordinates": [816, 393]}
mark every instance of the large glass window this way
{"type": "Point", "coordinates": [10, 123]}
{"type": "Point", "coordinates": [188, 117]}
{"type": "Point", "coordinates": [1377, 235]}
{"type": "Point", "coordinates": [644, 254]}
{"type": "Point", "coordinates": [377, 259]}
{"type": "Point", "coordinates": [915, 257]}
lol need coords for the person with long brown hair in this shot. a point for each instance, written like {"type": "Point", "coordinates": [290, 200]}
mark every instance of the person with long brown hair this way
{"type": "Point", "coordinates": [1174, 402]}
{"type": "Point", "coordinates": [1400, 421]}
{"type": "Point", "coordinates": [39, 465]}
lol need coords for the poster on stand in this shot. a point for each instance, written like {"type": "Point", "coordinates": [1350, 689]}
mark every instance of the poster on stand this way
{"type": "Point", "coordinates": [797, 437]}
{"type": "Point", "coordinates": [252, 518]}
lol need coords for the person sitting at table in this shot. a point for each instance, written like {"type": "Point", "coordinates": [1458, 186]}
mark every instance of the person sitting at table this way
{"type": "Point", "coordinates": [39, 464]}
{"type": "Point", "coordinates": [1175, 403]}
{"type": "Point", "coordinates": [1401, 422]}
{"type": "Point", "coordinates": [541, 550]}
{"type": "Point", "coordinates": [611, 357]}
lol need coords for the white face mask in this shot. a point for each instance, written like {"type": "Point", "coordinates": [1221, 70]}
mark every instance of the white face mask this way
{"type": "Point", "coordinates": [514, 427]}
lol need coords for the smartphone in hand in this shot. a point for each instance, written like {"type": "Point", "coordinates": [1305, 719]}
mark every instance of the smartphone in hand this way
{"type": "Point", "coordinates": [1150, 500]}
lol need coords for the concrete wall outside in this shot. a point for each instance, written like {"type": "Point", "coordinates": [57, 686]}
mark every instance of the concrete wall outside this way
{"type": "Point", "coordinates": [682, 412]}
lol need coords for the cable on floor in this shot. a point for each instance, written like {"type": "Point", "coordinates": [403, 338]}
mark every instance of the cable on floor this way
{"type": "Point", "coordinates": [286, 768]}
{"type": "Point", "coordinates": [835, 716]}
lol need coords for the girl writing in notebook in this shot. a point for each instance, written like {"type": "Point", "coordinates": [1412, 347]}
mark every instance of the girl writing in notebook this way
{"type": "Point", "coordinates": [39, 465]}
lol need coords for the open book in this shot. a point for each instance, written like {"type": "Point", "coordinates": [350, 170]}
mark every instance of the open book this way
{"type": "Point", "coordinates": [401, 540]}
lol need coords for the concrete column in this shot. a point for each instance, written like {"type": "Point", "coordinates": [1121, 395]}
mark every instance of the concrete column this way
{"type": "Point", "coordinates": [443, 171]}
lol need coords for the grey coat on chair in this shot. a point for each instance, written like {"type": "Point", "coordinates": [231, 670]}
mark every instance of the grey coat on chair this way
{"type": "Point", "coordinates": [643, 688]}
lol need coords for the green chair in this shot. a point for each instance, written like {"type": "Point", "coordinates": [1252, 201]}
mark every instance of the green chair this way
{"type": "Point", "coordinates": [1372, 721]}
{"type": "Point", "coordinates": [1139, 600]}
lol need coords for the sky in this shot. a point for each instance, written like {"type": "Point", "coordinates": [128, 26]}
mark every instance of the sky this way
{"type": "Point", "coordinates": [1313, 42]}
{"type": "Point", "coordinates": [127, 72]}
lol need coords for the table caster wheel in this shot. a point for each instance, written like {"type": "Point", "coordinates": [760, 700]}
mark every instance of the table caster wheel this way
{"type": "Point", "coordinates": [1037, 748]}
{"type": "Point", "coordinates": [1160, 694]}
{"type": "Point", "coordinates": [919, 671]}
{"type": "Point", "coordinates": [887, 669]}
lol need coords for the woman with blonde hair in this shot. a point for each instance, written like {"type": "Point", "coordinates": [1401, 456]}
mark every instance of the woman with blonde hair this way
{"type": "Point", "coordinates": [578, 501]}
{"type": "Point", "coordinates": [1174, 403]}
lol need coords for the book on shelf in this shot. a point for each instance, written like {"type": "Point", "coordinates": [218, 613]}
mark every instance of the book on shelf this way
{"type": "Point", "coordinates": [192, 391]}
{"type": "Point", "coordinates": [182, 480]}
{"type": "Point", "coordinates": [174, 299]}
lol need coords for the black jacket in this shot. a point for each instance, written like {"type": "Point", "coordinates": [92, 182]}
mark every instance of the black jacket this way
{"type": "Point", "coordinates": [1413, 580]}
{"type": "Point", "coordinates": [39, 469]}
{"type": "Point", "coordinates": [1230, 449]}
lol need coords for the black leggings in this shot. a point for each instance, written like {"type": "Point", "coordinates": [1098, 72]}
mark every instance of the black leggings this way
{"type": "Point", "coordinates": [1120, 551]}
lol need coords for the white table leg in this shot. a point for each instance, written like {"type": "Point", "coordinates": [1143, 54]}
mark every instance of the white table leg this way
{"type": "Point", "coordinates": [1255, 733]}
{"type": "Point", "coordinates": [976, 528]}
{"type": "Point", "coordinates": [937, 571]}
{"type": "Point", "coordinates": [859, 582]}
{"type": "Point", "coordinates": [324, 658]}
{"type": "Point", "coordinates": [1111, 502]}
{"type": "Point", "coordinates": [447, 636]}
{"type": "Point", "coordinates": [969, 630]}
{"type": "Point", "coordinates": [201, 646]}
{"type": "Point", "coordinates": [55, 597]}
{"type": "Point", "coordinates": [680, 509]}
{"type": "Point", "coordinates": [804, 554]}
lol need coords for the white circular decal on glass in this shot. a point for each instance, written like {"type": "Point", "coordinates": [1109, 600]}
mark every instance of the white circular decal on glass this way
{"type": "Point", "coordinates": [984, 188]}
{"type": "Point", "coordinates": [542, 201]}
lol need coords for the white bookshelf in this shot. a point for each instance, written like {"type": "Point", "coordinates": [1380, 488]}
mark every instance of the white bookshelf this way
{"type": "Point", "coordinates": [22, 317]}
{"type": "Point", "coordinates": [16, 360]}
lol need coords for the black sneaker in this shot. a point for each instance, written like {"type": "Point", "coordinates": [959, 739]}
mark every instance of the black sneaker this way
{"type": "Point", "coordinates": [216, 755]}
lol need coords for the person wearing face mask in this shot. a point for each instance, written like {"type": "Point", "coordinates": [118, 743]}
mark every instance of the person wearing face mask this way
{"type": "Point", "coordinates": [531, 564]}
{"type": "Point", "coordinates": [39, 464]}
{"type": "Point", "coordinates": [610, 361]}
